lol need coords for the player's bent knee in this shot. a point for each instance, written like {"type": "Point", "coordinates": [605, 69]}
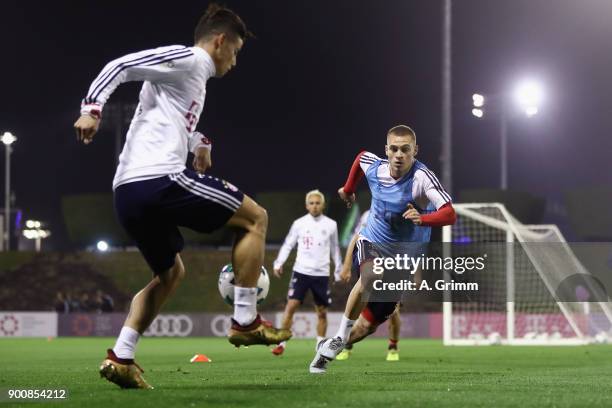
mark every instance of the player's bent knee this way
{"type": "Point", "coordinates": [261, 220]}
{"type": "Point", "coordinates": [250, 217]}
{"type": "Point", "coordinates": [364, 326]}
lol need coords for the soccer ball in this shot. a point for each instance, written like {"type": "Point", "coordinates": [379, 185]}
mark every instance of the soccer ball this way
{"type": "Point", "coordinates": [226, 284]}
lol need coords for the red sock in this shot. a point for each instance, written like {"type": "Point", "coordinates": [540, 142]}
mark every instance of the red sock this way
{"type": "Point", "coordinates": [393, 344]}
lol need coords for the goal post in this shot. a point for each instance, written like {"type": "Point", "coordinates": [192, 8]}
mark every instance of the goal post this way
{"type": "Point", "coordinates": [533, 291]}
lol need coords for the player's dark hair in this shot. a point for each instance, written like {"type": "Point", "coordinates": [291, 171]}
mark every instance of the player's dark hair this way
{"type": "Point", "coordinates": [219, 19]}
{"type": "Point", "coordinates": [402, 130]}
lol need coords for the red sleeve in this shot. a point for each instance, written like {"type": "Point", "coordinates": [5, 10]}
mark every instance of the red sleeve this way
{"type": "Point", "coordinates": [354, 176]}
{"type": "Point", "coordinates": [444, 216]}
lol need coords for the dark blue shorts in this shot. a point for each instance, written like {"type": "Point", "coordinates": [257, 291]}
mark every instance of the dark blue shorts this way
{"type": "Point", "coordinates": [378, 312]}
{"type": "Point", "coordinates": [319, 285]}
{"type": "Point", "coordinates": [364, 251]}
{"type": "Point", "coordinates": [152, 210]}
{"type": "Point", "coordinates": [374, 312]}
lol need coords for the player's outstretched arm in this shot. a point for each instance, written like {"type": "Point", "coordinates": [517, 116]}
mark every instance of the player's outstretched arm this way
{"type": "Point", "coordinates": [360, 165]}
{"type": "Point", "coordinates": [431, 189]}
{"type": "Point", "coordinates": [156, 65]}
{"type": "Point", "coordinates": [347, 191]}
{"type": "Point", "coordinates": [445, 215]}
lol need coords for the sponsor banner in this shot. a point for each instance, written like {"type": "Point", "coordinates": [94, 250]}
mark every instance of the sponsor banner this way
{"type": "Point", "coordinates": [28, 324]}
{"type": "Point", "coordinates": [418, 325]}
{"type": "Point", "coordinates": [527, 325]}
{"type": "Point", "coordinates": [305, 324]}
{"type": "Point", "coordinates": [210, 324]}
{"type": "Point", "coordinates": [164, 325]}
{"type": "Point", "coordinates": [90, 324]}
{"type": "Point", "coordinates": [414, 325]}
{"type": "Point", "coordinates": [192, 324]}
{"type": "Point", "coordinates": [436, 330]}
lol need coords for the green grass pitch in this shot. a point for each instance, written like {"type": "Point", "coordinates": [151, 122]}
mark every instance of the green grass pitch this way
{"type": "Point", "coordinates": [428, 374]}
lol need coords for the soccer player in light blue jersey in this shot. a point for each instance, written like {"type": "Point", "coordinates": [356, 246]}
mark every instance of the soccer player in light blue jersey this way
{"type": "Point", "coordinates": [402, 188]}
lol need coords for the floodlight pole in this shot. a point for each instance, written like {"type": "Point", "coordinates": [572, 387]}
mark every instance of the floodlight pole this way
{"type": "Point", "coordinates": [447, 138]}
{"type": "Point", "coordinates": [503, 138]}
{"type": "Point", "coordinates": [7, 197]}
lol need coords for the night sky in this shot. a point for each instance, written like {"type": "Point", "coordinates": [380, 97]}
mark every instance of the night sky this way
{"type": "Point", "coordinates": [323, 80]}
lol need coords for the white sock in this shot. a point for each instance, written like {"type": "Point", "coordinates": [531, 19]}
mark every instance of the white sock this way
{"type": "Point", "coordinates": [126, 343]}
{"type": "Point", "coordinates": [283, 344]}
{"type": "Point", "coordinates": [245, 305]}
{"type": "Point", "coordinates": [344, 330]}
{"type": "Point", "coordinates": [319, 338]}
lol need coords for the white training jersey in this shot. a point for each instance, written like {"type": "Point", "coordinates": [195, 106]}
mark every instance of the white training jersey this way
{"type": "Point", "coordinates": [317, 238]}
{"type": "Point", "coordinates": [171, 100]}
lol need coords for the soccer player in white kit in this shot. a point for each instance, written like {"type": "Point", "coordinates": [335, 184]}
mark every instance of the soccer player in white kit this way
{"type": "Point", "coordinates": [155, 193]}
{"type": "Point", "coordinates": [317, 238]}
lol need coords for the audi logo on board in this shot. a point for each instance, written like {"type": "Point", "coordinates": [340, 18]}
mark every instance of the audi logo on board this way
{"type": "Point", "coordinates": [220, 325]}
{"type": "Point", "coordinates": [170, 326]}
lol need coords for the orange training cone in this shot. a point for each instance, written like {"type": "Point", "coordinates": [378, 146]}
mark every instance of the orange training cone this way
{"type": "Point", "coordinates": [200, 358]}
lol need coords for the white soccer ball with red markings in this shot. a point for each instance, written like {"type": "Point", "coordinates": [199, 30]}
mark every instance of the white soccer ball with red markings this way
{"type": "Point", "coordinates": [226, 284]}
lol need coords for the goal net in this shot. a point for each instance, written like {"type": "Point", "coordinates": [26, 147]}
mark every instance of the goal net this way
{"type": "Point", "coordinates": [533, 290]}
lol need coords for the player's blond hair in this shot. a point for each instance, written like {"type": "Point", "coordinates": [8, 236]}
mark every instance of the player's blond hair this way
{"type": "Point", "coordinates": [402, 130]}
{"type": "Point", "coordinates": [315, 192]}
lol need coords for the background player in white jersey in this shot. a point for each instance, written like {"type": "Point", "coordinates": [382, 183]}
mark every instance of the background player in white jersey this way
{"type": "Point", "coordinates": [317, 237]}
{"type": "Point", "coordinates": [154, 192]}
{"type": "Point", "coordinates": [395, 322]}
{"type": "Point", "coordinates": [402, 188]}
